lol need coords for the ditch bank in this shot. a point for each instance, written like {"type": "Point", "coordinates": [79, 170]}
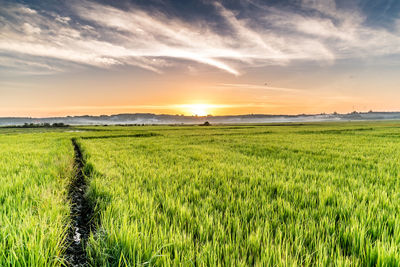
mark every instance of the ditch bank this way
{"type": "Point", "coordinates": [81, 213]}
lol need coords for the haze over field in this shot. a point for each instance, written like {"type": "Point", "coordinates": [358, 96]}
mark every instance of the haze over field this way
{"type": "Point", "coordinates": [156, 119]}
{"type": "Point", "coordinates": [192, 57]}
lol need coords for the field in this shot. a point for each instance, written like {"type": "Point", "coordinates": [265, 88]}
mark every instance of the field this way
{"type": "Point", "coordinates": [34, 174]}
{"type": "Point", "coordinates": [235, 195]}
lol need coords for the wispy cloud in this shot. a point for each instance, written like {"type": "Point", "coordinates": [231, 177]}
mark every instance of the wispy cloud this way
{"type": "Point", "coordinates": [265, 87]}
{"type": "Point", "coordinates": [283, 92]}
{"type": "Point", "coordinates": [152, 40]}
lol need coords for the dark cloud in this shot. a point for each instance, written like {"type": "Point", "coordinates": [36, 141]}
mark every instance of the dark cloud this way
{"type": "Point", "coordinates": [226, 34]}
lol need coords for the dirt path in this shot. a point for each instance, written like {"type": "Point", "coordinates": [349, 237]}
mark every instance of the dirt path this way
{"type": "Point", "coordinates": [81, 214]}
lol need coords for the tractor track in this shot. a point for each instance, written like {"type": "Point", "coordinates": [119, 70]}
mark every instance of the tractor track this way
{"type": "Point", "coordinates": [81, 214]}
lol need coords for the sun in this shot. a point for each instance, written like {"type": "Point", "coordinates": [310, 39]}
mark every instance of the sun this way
{"type": "Point", "coordinates": [198, 109]}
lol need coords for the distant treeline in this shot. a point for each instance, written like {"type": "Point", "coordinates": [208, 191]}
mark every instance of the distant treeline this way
{"type": "Point", "coordinates": [39, 125]}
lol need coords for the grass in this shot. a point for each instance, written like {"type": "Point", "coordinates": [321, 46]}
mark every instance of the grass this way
{"type": "Point", "coordinates": [282, 195]}
{"type": "Point", "coordinates": [34, 173]}
{"type": "Point", "coordinates": [324, 194]}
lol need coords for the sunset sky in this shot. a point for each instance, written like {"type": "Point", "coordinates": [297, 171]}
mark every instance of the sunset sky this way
{"type": "Point", "coordinates": [198, 57]}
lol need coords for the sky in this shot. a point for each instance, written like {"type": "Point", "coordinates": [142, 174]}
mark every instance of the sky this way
{"type": "Point", "coordinates": [199, 57]}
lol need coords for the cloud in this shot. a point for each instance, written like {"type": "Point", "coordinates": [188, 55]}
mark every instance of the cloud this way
{"type": "Point", "coordinates": [30, 30]}
{"type": "Point", "coordinates": [258, 87]}
{"type": "Point", "coordinates": [61, 19]}
{"type": "Point", "coordinates": [103, 36]}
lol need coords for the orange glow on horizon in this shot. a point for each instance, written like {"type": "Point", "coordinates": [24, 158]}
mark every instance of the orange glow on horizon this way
{"type": "Point", "coordinates": [197, 109]}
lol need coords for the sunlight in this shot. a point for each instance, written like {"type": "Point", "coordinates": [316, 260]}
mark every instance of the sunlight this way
{"type": "Point", "coordinates": [198, 109]}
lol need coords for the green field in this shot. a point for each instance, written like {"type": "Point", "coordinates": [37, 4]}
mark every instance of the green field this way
{"type": "Point", "coordinates": [35, 170]}
{"type": "Point", "coordinates": [323, 194]}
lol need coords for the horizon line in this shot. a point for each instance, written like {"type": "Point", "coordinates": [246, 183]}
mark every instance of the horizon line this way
{"type": "Point", "coordinates": [197, 116]}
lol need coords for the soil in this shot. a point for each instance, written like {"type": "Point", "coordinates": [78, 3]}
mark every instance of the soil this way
{"type": "Point", "coordinates": [81, 214]}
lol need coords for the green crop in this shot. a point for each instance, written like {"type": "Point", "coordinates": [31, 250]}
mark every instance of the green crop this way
{"type": "Point", "coordinates": [253, 195]}
{"type": "Point", "coordinates": [324, 194]}
{"type": "Point", "coordinates": [34, 174]}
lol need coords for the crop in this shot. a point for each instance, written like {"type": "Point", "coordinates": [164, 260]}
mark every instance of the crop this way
{"type": "Point", "coordinates": [323, 194]}
{"type": "Point", "coordinates": [34, 174]}
{"type": "Point", "coordinates": [247, 195]}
